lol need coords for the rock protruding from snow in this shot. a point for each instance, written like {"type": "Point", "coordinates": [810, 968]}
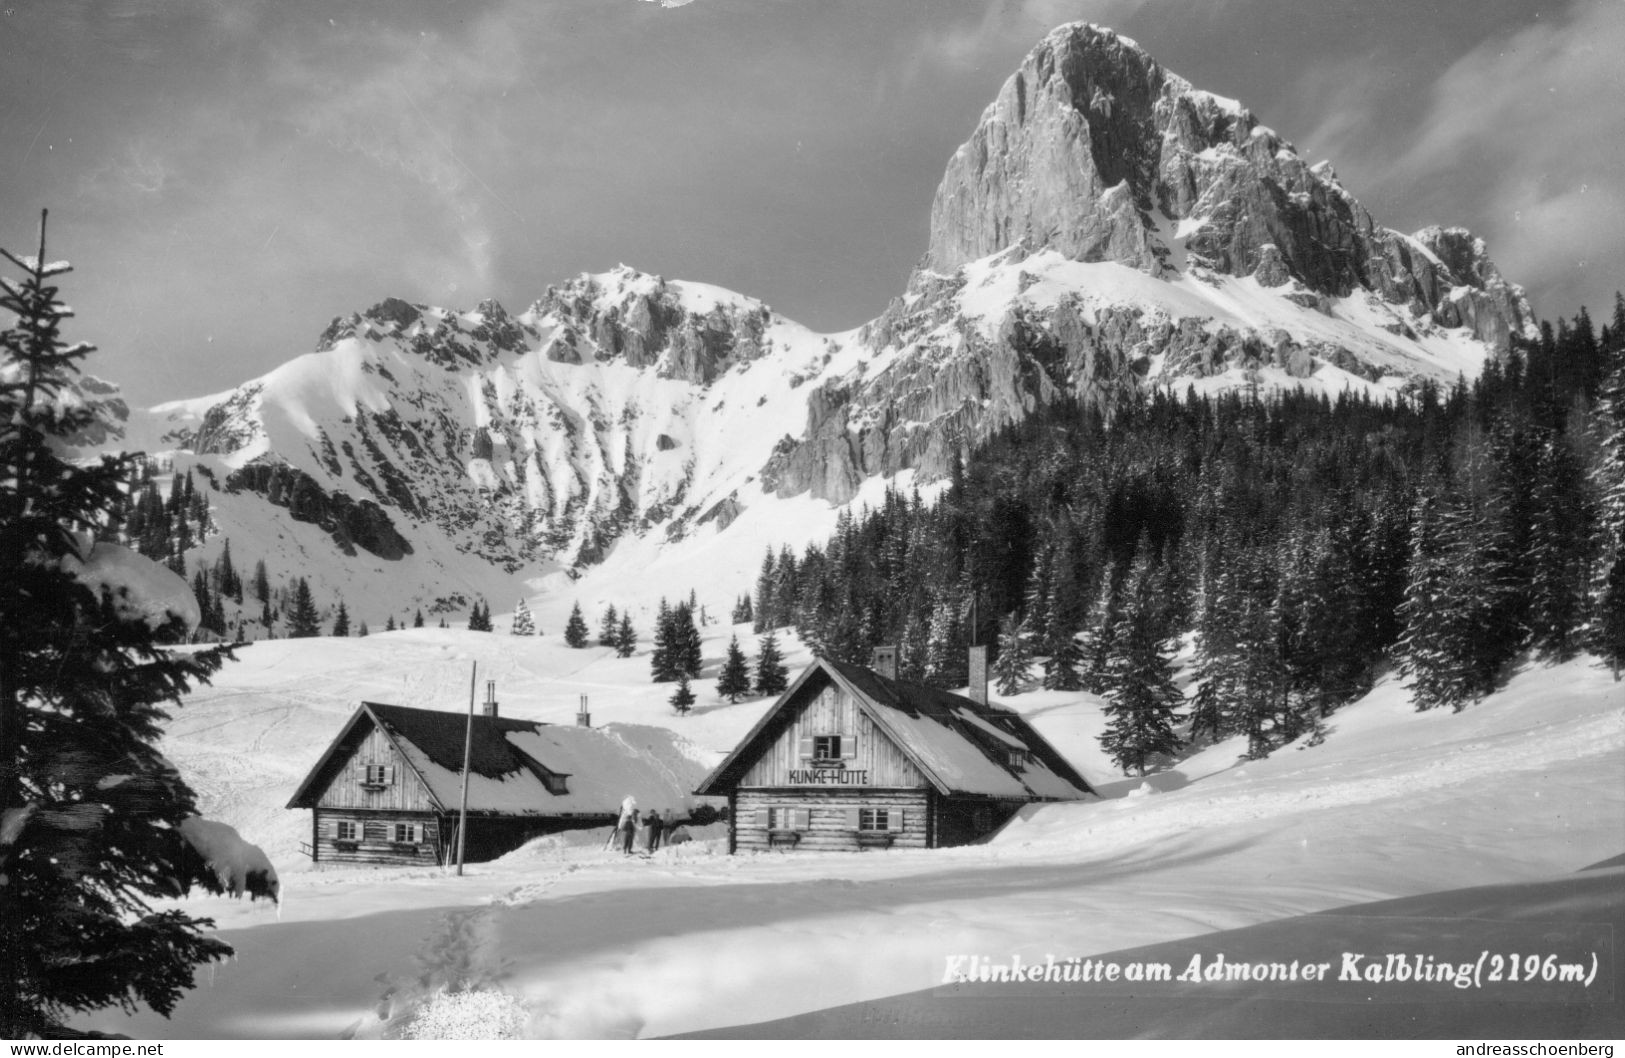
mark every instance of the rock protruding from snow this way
{"type": "Point", "coordinates": [685, 331]}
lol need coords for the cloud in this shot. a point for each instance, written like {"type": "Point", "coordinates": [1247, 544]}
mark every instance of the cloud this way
{"type": "Point", "coordinates": [1522, 133]}
{"type": "Point", "coordinates": [419, 106]}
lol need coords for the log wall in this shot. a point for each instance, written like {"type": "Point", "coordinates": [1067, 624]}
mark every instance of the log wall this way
{"type": "Point", "coordinates": [376, 842]}
{"type": "Point", "coordinates": [828, 828]}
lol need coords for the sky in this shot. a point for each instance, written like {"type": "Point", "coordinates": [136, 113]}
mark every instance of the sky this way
{"type": "Point", "coordinates": [227, 177]}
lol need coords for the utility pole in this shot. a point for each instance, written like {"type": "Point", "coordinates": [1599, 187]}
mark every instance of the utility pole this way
{"type": "Point", "coordinates": [468, 746]}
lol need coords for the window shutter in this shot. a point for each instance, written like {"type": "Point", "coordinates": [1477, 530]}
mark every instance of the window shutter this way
{"type": "Point", "coordinates": [894, 819]}
{"type": "Point", "coordinates": [852, 819]}
{"type": "Point", "coordinates": [761, 818]}
{"type": "Point", "coordinates": [802, 818]}
{"type": "Point", "coordinates": [805, 749]}
{"type": "Point", "coordinates": [849, 747]}
{"type": "Point", "coordinates": [330, 829]}
{"type": "Point", "coordinates": [389, 775]}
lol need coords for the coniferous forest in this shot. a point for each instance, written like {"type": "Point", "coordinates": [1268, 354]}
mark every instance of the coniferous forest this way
{"type": "Point", "coordinates": [1297, 545]}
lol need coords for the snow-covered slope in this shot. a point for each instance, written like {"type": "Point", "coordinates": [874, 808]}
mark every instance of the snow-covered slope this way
{"type": "Point", "coordinates": [1520, 787]}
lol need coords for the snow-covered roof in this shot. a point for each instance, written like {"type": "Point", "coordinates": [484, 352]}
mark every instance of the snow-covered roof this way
{"type": "Point", "coordinates": [515, 766]}
{"type": "Point", "coordinates": [962, 747]}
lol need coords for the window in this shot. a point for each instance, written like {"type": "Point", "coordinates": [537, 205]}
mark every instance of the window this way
{"type": "Point", "coordinates": [378, 775]}
{"type": "Point", "coordinates": [873, 819]}
{"type": "Point", "coordinates": [1019, 758]}
{"type": "Point", "coordinates": [346, 830]}
{"type": "Point", "coordinates": [786, 818]}
{"type": "Point", "coordinates": [826, 747]}
{"type": "Point", "coordinates": [406, 833]}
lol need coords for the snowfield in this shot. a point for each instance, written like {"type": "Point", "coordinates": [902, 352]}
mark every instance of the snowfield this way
{"type": "Point", "coordinates": [563, 939]}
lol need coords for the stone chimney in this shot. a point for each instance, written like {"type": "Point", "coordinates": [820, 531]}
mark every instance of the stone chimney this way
{"type": "Point", "coordinates": [583, 718]}
{"type": "Point", "coordinates": [884, 662]}
{"type": "Point", "coordinates": [490, 707]}
{"type": "Point", "coordinates": [978, 675]}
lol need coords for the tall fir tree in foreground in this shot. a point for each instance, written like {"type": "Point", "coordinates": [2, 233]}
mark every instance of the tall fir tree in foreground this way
{"type": "Point", "coordinates": [84, 684]}
{"type": "Point", "coordinates": [575, 629]}
{"type": "Point", "coordinates": [771, 675]}
{"type": "Point", "coordinates": [734, 680]}
{"type": "Point", "coordinates": [523, 623]}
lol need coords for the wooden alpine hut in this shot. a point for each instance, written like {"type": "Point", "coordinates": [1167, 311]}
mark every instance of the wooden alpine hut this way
{"type": "Point", "coordinates": [388, 789]}
{"type": "Point", "coordinates": [851, 758]}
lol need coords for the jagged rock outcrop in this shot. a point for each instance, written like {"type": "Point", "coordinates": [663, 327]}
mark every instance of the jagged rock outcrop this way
{"type": "Point", "coordinates": [648, 322]}
{"type": "Point", "coordinates": [352, 523]}
{"type": "Point", "coordinates": [1091, 144]}
{"type": "Point", "coordinates": [1093, 153]}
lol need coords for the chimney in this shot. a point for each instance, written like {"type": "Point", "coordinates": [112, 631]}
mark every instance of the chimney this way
{"type": "Point", "coordinates": [490, 708]}
{"type": "Point", "coordinates": [583, 718]}
{"type": "Point", "coordinates": [978, 675]}
{"type": "Point", "coordinates": [884, 662]}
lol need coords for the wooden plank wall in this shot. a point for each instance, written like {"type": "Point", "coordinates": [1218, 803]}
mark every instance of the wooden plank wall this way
{"type": "Point", "coordinates": [345, 789]}
{"type": "Point", "coordinates": [376, 846]}
{"type": "Point", "coordinates": [827, 829]}
{"type": "Point", "coordinates": [831, 711]}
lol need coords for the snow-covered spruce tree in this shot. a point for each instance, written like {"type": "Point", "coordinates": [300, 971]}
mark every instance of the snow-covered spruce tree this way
{"type": "Point", "coordinates": [608, 626]}
{"type": "Point", "coordinates": [479, 618]}
{"type": "Point", "coordinates": [304, 623]}
{"type": "Point", "coordinates": [575, 629]}
{"type": "Point", "coordinates": [626, 637]}
{"type": "Point", "coordinates": [94, 822]}
{"type": "Point", "coordinates": [1428, 649]}
{"type": "Point", "coordinates": [1013, 667]}
{"type": "Point", "coordinates": [1608, 480]}
{"type": "Point", "coordinates": [341, 623]}
{"type": "Point", "coordinates": [771, 676]}
{"type": "Point", "coordinates": [662, 659]}
{"type": "Point", "coordinates": [1141, 692]}
{"type": "Point", "coordinates": [734, 681]}
{"type": "Point", "coordinates": [686, 646]}
{"type": "Point", "coordinates": [682, 699]}
{"type": "Point", "coordinates": [523, 623]}
{"type": "Point", "coordinates": [743, 612]}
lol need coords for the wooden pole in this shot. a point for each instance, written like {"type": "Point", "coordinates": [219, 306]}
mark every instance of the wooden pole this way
{"type": "Point", "coordinates": [468, 748]}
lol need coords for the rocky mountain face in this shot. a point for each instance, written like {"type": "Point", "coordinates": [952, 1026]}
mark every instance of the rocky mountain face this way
{"type": "Point", "coordinates": [1106, 229]}
{"type": "Point", "coordinates": [1093, 153]}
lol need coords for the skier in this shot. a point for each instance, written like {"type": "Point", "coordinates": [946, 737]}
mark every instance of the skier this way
{"type": "Point", "coordinates": [629, 807]}
{"type": "Point", "coordinates": [655, 827]}
{"type": "Point", "coordinates": [629, 831]}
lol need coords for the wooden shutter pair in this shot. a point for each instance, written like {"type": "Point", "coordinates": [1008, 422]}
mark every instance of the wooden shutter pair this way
{"type": "Point", "coordinates": [894, 819]}
{"type": "Point", "coordinates": [800, 818]}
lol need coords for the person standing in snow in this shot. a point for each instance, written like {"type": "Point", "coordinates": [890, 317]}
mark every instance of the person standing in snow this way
{"type": "Point", "coordinates": [619, 834]}
{"type": "Point", "coordinates": [655, 827]}
{"type": "Point", "coordinates": [629, 830]}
